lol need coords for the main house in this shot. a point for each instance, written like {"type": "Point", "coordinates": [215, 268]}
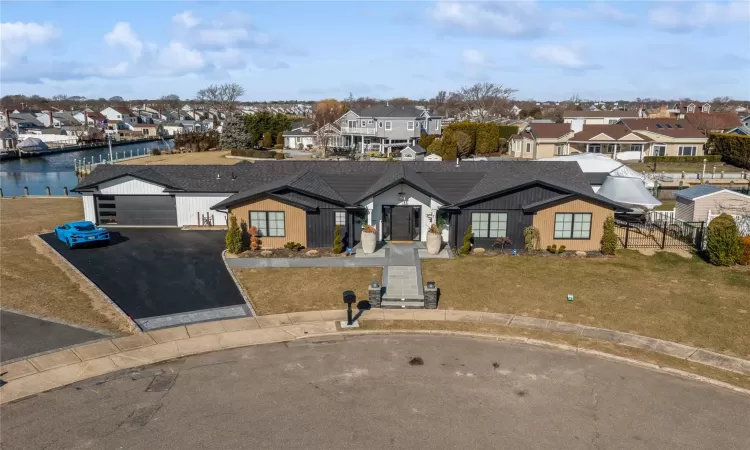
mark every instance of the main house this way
{"type": "Point", "coordinates": [386, 128]}
{"type": "Point", "coordinates": [304, 201]}
{"type": "Point", "coordinates": [639, 137]}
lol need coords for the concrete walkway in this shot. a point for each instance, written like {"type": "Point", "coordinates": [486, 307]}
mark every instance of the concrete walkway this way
{"type": "Point", "coordinates": [42, 373]}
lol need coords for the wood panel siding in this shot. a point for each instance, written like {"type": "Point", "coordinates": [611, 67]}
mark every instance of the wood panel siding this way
{"type": "Point", "coordinates": [683, 209]}
{"type": "Point", "coordinates": [720, 202]}
{"type": "Point", "coordinates": [295, 223]}
{"type": "Point", "coordinates": [544, 221]}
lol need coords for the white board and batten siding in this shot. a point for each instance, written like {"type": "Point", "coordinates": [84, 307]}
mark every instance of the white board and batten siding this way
{"type": "Point", "coordinates": [190, 205]}
{"type": "Point", "coordinates": [89, 210]}
{"type": "Point", "coordinates": [131, 186]}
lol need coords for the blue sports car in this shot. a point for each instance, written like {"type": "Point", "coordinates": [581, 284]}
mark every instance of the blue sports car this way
{"type": "Point", "coordinates": [79, 233]}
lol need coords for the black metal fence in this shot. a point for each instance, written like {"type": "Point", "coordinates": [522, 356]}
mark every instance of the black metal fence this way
{"type": "Point", "coordinates": [656, 230]}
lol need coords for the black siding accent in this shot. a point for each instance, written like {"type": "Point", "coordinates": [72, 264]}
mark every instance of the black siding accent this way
{"type": "Point", "coordinates": [510, 203]}
{"type": "Point", "coordinates": [320, 227]}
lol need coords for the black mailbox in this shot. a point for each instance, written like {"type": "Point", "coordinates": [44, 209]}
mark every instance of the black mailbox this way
{"type": "Point", "coordinates": [349, 298]}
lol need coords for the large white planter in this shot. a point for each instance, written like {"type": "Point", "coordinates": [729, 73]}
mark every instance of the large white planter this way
{"type": "Point", "coordinates": [434, 242]}
{"type": "Point", "coordinates": [368, 241]}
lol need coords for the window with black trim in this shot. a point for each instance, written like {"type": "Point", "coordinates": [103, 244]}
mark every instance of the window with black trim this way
{"type": "Point", "coordinates": [489, 225]}
{"type": "Point", "coordinates": [573, 226]}
{"type": "Point", "coordinates": [341, 218]}
{"type": "Point", "coordinates": [268, 223]}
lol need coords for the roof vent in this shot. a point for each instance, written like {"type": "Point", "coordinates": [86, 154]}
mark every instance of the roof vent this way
{"type": "Point", "coordinates": [218, 176]}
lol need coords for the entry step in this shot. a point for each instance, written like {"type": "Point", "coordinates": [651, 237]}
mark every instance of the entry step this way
{"type": "Point", "coordinates": [406, 304]}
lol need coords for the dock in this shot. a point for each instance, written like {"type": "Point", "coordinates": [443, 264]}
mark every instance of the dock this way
{"type": "Point", "coordinates": [83, 167]}
{"type": "Point", "coordinates": [78, 147]}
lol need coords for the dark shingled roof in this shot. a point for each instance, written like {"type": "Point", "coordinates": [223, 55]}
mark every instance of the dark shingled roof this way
{"type": "Point", "coordinates": [353, 182]}
{"type": "Point", "coordinates": [390, 111]}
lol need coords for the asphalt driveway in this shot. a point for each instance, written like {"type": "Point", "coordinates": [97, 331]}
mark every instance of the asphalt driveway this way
{"type": "Point", "coordinates": [160, 272]}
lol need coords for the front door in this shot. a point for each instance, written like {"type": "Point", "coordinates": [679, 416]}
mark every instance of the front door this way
{"type": "Point", "coordinates": [402, 225]}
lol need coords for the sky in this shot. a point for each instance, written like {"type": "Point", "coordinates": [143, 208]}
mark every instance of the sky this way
{"type": "Point", "coordinates": [308, 50]}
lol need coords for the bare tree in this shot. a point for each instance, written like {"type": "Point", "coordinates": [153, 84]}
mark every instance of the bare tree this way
{"type": "Point", "coordinates": [705, 122]}
{"type": "Point", "coordinates": [326, 112]}
{"type": "Point", "coordinates": [720, 104]}
{"type": "Point", "coordinates": [171, 101]}
{"type": "Point", "coordinates": [221, 96]}
{"type": "Point", "coordinates": [485, 100]}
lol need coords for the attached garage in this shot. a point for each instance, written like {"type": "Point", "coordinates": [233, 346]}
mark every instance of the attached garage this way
{"type": "Point", "coordinates": [141, 210]}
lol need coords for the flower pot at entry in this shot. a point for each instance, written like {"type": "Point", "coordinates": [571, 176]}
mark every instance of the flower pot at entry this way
{"type": "Point", "coordinates": [434, 240]}
{"type": "Point", "coordinates": [368, 239]}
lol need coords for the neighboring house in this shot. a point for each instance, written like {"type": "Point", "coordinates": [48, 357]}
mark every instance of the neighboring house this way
{"type": "Point", "coordinates": [433, 157]}
{"type": "Point", "coordinates": [384, 128]}
{"type": "Point", "coordinates": [92, 118]}
{"type": "Point", "coordinates": [58, 119]}
{"type": "Point", "coordinates": [745, 121]}
{"type": "Point", "coordinates": [304, 201]}
{"type": "Point", "coordinates": [329, 136]}
{"type": "Point", "coordinates": [743, 130]}
{"type": "Point", "coordinates": [670, 137]}
{"type": "Point", "coordinates": [172, 128]}
{"type": "Point", "coordinates": [146, 129]}
{"type": "Point", "coordinates": [120, 113]}
{"type": "Point", "coordinates": [192, 125]}
{"type": "Point", "coordinates": [577, 119]}
{"type": "Point", "coordinates": [541, 140]}
{"type": "Point", "coordinates": [713, 122]}
{"type": "Point", "coordinates": [693, 204]}
{"type": "Point", "coordinates": [19, 122]}
{"type": "Point", "coordinates": [609, 140]}
{"type": "Point", "coordinates": [413, 152]}
{"type": "Point", "coordinates": [299, 136]}
{"type": "Point", "coordinates": [8, 139]}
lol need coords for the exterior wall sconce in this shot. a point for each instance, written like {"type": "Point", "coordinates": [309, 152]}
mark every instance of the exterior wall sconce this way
{"type": "Point", "coordinates": [402, 196]}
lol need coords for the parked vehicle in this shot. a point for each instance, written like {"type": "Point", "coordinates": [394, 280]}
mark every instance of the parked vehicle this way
{"type": "Point", "coordinates": [80, 233]}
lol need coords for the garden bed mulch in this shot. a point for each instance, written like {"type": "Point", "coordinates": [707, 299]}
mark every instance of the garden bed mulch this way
{"type": "Point", "coordinates": [538, 253]}
{"type": "Point", "coordinates": [288, 253]}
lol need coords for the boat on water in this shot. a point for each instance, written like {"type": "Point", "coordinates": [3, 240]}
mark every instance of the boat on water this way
{"type": "Point", "coordinates": [32, 146]}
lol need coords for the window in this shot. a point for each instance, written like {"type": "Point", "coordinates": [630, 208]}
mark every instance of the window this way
{"type": "Point", "coordinates": [573, 226]}
{"type": "Point", "coordinates": [409, 125]}
{"type": "Point", "coordinates": [364, 123]}
{"type": "Point", "coordinates": [268, 223]}
{"type": "Point", "coordinates": [381, 124]}
{"type": "Point", "coordinates": [528, 147]}
{"type": "Point", "coordinates": [658, 125]}
{"type": "Point", "coordinates": [559, 149]}
{"type": "Point", "coordinates": [594, 148]}
{"type": "Point", "coordinates": [352, 124]}
{"type": "Point", "coordinates": [612, 121]}
{"type": "Point", "coordinates": [636, 147]}
{"type": "Point", "coordinates": [659, 150]}
{"type": "Point", "coordinates": [341, 218]}
{"type": "Point", "coordinates": [489, 225]}
{"type": "Point", "coordinates": [369, 122]}
{"type": "Point", "coordinates": [668, 125]}
{"type": "Point", "coordinates": [388, 125]}
{"type": "Point", "coordinates": [677, 125]}
{"type": "Point", "coordinates": [687, 150]}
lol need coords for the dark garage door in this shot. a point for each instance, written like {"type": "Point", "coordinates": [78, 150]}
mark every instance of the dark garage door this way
{"type": "Point", "coordinates": [136, 210]}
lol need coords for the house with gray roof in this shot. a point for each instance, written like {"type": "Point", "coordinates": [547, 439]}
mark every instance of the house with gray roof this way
{"type": "Point", "coordinates": [386, 128]}
{"type": "Point", "coordinates": [304, 201]}
{"type": "Point", "coordinates": [694, 204]}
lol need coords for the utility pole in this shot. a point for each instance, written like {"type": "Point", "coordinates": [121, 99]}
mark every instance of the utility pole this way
{"type": "Point", "coordinates": [109, 142]}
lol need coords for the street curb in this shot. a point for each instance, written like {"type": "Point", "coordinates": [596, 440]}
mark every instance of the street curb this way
{"type": "Point", "coordinates": [134, 326]}
{"type": "Point", "coordinates": [38, 374]}
{"type": "Point", "coordinates": [237, 283]}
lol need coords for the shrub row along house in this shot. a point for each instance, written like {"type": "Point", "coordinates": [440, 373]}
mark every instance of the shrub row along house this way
{"type": "Point", "coordinates": [630, 138]}
{"type": "Point", "coordinates": [305, 201]}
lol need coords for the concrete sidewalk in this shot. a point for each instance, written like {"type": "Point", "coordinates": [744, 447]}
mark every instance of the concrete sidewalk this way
{"type": "Point", "coordinates": [49, 371]}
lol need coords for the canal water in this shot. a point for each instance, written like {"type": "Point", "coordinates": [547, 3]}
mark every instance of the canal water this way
{"type": "Point", "coordinates": [57, 171]}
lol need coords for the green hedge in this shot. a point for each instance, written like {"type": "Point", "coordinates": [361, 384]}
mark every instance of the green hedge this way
{"type": "Point", "coordinates": [682, 159]}
{"type": "Point", "coordinates": [251, 153]}
{"type": "Point", "coordinates": [734, 148]}
{"type": "Point", "coordinates": [485, 137]}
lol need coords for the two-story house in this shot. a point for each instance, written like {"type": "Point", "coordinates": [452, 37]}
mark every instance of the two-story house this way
{"type": "Point", "coordinates": [384, 128]}
{"type": "Point", "coordinates": [577, 119]}
{"type": "Point", "coordinates": [120, 114]}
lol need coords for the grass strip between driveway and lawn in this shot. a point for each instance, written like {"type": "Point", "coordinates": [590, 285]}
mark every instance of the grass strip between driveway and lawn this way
{"type": "Point", "coordinates": [663, 296]}
{"type": "Point", "coordinates": [276, 290]}
{"type": "Point", "coordinates": [659, 359]}
{"type": "Point", "coordinates": [32, 277]}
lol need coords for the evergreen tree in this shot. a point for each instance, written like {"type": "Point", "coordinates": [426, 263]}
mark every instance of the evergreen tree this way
{"type": "Point", "coordinates": [466, 248]}
{"type": "Point", "coordinates": [267, 141]}
{"type": "Point", "coordinates": [233, 239]}
{"type": "Point", "coordinates": [609, 238]}
{"type": "Point", "coordinates": [234, 134]}
{"type": "Point", "coordinates": [280, 139]}
{"type": "Point", "coordinates": [338, 245]}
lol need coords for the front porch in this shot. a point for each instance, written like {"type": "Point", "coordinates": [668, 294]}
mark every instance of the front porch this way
{"type": "Point", "coordinates": [384, 146]}
{"type": "Point", "coordinates": [611, 149]}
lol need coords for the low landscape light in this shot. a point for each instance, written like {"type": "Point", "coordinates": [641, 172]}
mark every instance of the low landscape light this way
{"type": "Point", "coordinates": [374, 284]}
{"type": "Point", "coordinates": [430, 285]}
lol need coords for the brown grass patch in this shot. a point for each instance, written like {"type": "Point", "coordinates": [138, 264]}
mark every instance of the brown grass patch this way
{"type": "Point", "coordinates": [34, 280]}
{"type": "Point", "coordinates": [663, 296]}
{"type": "Point", "coordinates": [659, 359]}
{"type": "Point", "coordinates": [276, 291]}
{"type": "Point", "coordinates": [197, 158]}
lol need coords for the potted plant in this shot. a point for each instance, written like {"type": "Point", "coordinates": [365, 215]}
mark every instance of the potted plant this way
{"type": "Point", "coordinates": [368, 239]}
{"type": "Point", "coordinates": [434, 239]}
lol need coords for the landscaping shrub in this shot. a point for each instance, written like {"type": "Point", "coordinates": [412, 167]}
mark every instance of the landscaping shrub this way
{"type": "Point", "coordinates": [502, 242]}
{"type": "Point", "coordinates": [155, 152]}
{"type": "Point", "coordinates": [723, 241]}
{"type": "Point", "coordinates": [531, 238]}
{"type": "Point", "coordinates": [338, 245]}
{"type": "Point", "coordinates": [435, 147]}
{"type": "Point", "coordinates": [732, 148]}
{"type": "Point", "coordinates": [280, 139]}
{"type": "Point", "coordinates": [198, 141]}
{"type": "Point", "coordinates": [254, 239]}
{"type": "Point", "coordinates": [682, 159]}
{"type": "Point", "coordinates": [425, 140]}
{"type": "Point", "coordinates": [294, 246]}
{"type": "Point", "coordinates": [279, 156]}
{"type": "Point", "coordinates": [561, 249]}
{"type": "Point", "coordinates": [609, 238]}
{"type": "Point", "coordinates": [466, 247]}
{"type": "Point", "coordinates": [252, 153]}
{"type": "Point", "coordinates": [552, 248]}
{"type": "Point", "coordinates": [233, 239]}
{"type": "Point", "coordinates": [279, 147]}
{"type": "Point", "coordinates": [434, 229]}
{"type": "Point", "coordinates": [745, 255]}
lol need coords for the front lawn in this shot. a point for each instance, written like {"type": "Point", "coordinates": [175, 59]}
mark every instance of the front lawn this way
{"type": "Point", "coordinates": [192, 158]}
{"type": "Point", "coordinates": [276, 291]}
{"type": "Point", "coordinates": [663, 296]}
{"type": "Point", "coordinates": [36, 281]}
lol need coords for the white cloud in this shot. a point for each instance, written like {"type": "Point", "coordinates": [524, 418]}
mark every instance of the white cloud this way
{"type": "Point", "coordinates": [186, 19]}
{"type": "Point", "coordinates": [598, 11]}
{"type": "Point", "coordinates": [560, 56]}
{"type": "Point", "coordinates": [513, 19]}
{"type": "Point", "coordinates": [124, 36]}
{"type": "Point", "coordinates": [17, 38]}
{"type": "Point", "coordinates": [178, 58]}
{"type": "Point", "coordinates": [699, 15]}
{"type": "Point", "coordinates": [473, 57]}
